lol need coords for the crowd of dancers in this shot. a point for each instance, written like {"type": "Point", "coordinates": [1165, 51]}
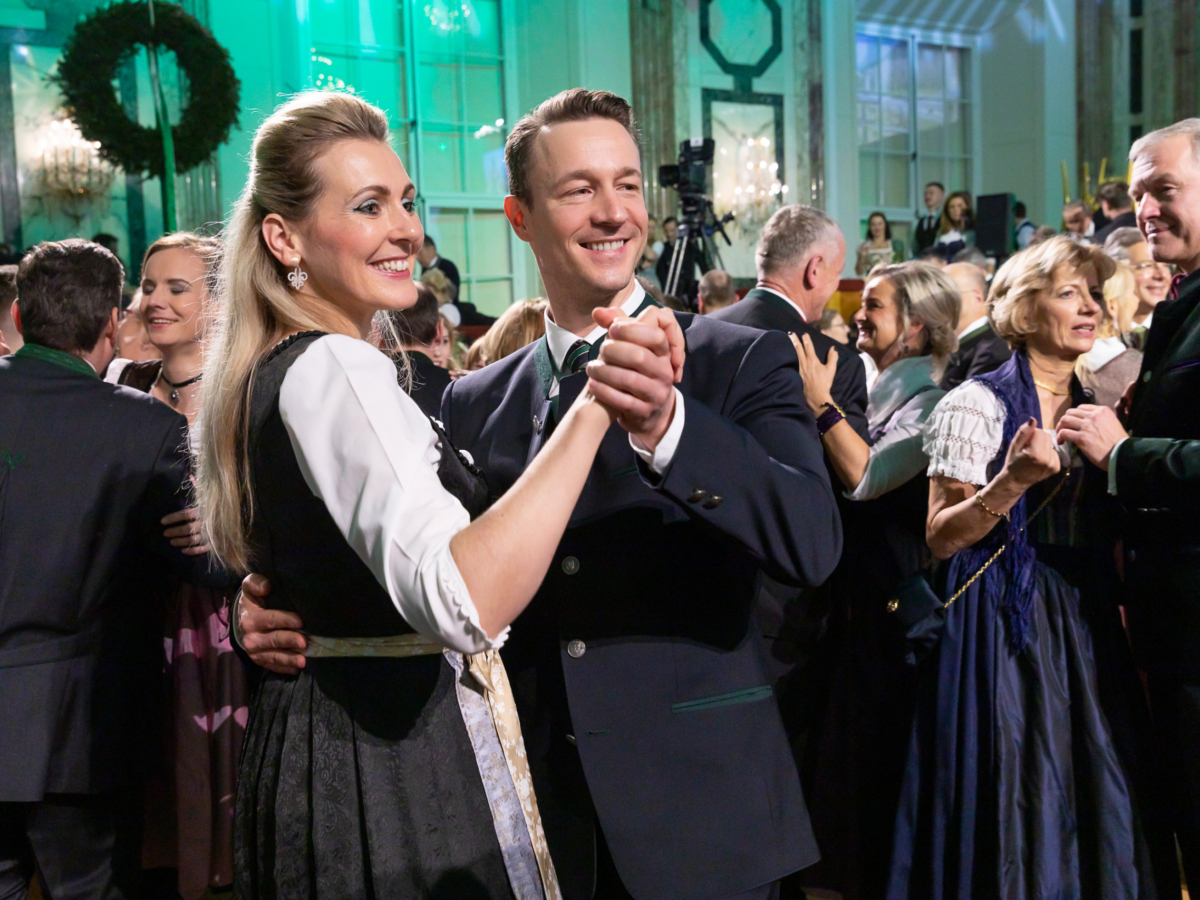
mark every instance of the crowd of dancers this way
{"type": "Point", "coordinates": [651, 605]}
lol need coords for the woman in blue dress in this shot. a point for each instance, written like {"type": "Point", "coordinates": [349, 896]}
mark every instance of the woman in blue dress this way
{"type": "Point", "coordinates": [1022, 778]}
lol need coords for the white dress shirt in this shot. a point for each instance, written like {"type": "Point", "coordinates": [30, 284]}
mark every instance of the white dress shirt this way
{"type": "Point", "coordinates": [370, 454]}
{"type": "Point", "coordinates": [559, 341]}
{"type": "Point", "coordinates": [974, 326]}
{"type": "Point", "coordinates": [790, 301]}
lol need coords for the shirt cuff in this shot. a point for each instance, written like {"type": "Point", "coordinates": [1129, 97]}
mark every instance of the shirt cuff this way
{"type": "Point", "coordinates": [664, 453]}
{"type": "Point", "coordinates": [1112, 466]}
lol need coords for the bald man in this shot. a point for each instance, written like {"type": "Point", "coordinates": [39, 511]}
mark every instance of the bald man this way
{"type": "Point", "coordinates": [980, 349]}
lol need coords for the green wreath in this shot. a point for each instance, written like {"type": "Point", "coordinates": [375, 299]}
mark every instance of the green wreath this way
{"type": "Point", "coordinates": [95, 51]}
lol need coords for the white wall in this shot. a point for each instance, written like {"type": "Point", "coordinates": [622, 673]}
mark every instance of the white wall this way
{"type": "Point", "coordinates": [1027, 72]}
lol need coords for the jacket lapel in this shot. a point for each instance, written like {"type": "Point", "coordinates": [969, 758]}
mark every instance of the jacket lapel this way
{"type": "Point", "coordinates": [539, 401]}
{"type": "Point", "coordinates": [1168, 335]}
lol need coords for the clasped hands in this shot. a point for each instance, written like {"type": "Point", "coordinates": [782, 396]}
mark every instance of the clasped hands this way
{"type": "Point", "coordinates": [633, 379]}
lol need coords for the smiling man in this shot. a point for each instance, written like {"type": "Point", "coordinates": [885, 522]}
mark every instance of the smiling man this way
{"type": "Point", "coordinates": [659, 760]}
{"type": "Point", "coordinates": [1154, 471]}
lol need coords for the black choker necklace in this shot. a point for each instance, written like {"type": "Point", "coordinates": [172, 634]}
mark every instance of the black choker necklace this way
{"type": "Point", "coordinates": [175, 386]}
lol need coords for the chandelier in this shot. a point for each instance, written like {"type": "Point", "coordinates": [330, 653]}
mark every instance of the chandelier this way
{"type": "Point", "coordinates": [74, 179]}
{"type": "Point", "coordinates": [746, 182]}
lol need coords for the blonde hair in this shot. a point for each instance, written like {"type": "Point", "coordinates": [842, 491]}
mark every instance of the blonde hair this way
{"type": "Point", "coordinates": [1016, 286]}
{"type": "Point", "coordinates": [438, 282]}
{"type": "Point", "coordinates": [1120, 302]}
{"type": "Point", "coordinates": [928, 295]}
{"type": "Point", "coordinates": [522, 323]}
{"type": "Point", "coordinates": [257, 306]}
{"type": "Point", "coordinates": [209, 250]}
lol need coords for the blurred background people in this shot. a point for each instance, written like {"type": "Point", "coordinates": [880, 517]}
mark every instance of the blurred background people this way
{"type": "Point", "coordinates": [1112, 364]}
{"type": "Point", "coordinates": [686, 286]}
{"type": "Point", "coordinates": [133, 338]}
{"type": "Point", "coordinates": [421, 332]}
{"type": "Point", "coordinates": [1117, 208]}
{"type": "Point", "coordinates": [980, 349]}
{"type": "Point", "coordinates": [9, 335]}
{"type": "Point", "coordinates": [879, 248]}
{"type": "Point", "coordinates": [1077, 219]}
{"type": "Point", "coordinates": [926, 233]}
{"type": "Point", "coordinates": [716, 291]}
{"type": "Point", "coordinates": [521, 324]}
{"type": "Point", "coordinates": [832, 325]}
{"type": "Point", "coordinates": [1152, 278]}
{"type": "Point", "coordinates": [956, 228]}
{"type": "Point", "coordinates": [907, 326]}
{"type": "Point", "coordinates": [429, 259]}
{"type": "Point", "coordinates": [1023, 229]}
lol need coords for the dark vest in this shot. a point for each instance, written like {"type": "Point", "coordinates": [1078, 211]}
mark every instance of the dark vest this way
{"type": "Point", "coordinates": [295, 541]}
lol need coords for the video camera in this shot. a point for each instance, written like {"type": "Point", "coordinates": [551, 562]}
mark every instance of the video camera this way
{"type": "Point", "coordinates": [698, 223]}
{"type": "Point", "coordinates": [689, 177]}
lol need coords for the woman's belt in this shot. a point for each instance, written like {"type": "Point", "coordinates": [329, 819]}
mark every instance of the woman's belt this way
{"type": "Point", "coordinates": [488, 670]}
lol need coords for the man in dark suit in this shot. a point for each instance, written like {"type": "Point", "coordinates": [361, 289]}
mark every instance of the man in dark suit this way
{"type": "Point", "coordinates": [925, 234]}
{"type": "Point", "coordinates": [799, 257]}
{"type": "Point", "coordinates": [87, 470]}
{"type": "Point", "coordinates": [1117, 207]}
{"type": "Point", "coordinates": [419, 328]}
{"type": "Point", "coordinates": [1154, 471]}
{"type": "Point", "coordinates": [428, 257]}
{"type": "Point", "coordinates": [658, 757]}
{"type": "Point", "coordinates": [980, 349]}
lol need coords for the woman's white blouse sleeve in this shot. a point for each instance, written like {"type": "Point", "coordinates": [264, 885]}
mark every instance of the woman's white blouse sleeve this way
{"type": "Point", "coordinates": [370, 454]}
{"type": "Point", "coordinates": [965, 433]}
{"type": "Point", "coordinates": [899, 454]}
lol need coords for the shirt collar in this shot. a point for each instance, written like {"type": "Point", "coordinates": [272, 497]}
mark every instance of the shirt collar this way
{"type": "Point", "coordinates": [790, 301]}
{"type": "Point", "coordinates": [559, 340]}
{"type": "Point", "coordinates": [57, 358]}
{"type": "Point", "coordinates": [973, 327]}
{"type": "Point", "coordinates": [895, 386]}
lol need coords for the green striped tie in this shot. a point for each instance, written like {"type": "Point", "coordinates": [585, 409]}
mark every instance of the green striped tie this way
{"type": "Point", "coordinates": [577, 357]}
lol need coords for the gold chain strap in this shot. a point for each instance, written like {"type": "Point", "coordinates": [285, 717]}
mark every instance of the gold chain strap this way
{"type": "Point", "coordinates": [995, 556]}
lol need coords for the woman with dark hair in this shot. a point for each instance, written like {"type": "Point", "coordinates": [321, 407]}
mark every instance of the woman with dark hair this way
{"type": "Point", "coordinates": [1022, 777]}
{"type": "Point", "coordinates": [956, 230]}
{"type": "Point", "coordinates": [878, 249]}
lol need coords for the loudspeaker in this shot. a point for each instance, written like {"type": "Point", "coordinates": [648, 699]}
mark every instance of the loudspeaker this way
{"type": "Point", "coordinates": [994, 224]}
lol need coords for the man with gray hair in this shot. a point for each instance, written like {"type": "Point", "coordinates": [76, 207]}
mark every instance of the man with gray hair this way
{"type": "Point", "coordinates": [799, 258]}
{"type": "Point", "coordinates": [716, 291]}
{"type": "Point", "coordinates": [980, 349]}
{"type": "Point", "coordinates": [1154, 472]}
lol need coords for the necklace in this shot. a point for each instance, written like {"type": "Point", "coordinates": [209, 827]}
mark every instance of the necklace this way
{"type": "Point", "coordinates": [1044, 387]}
{"type": "Point", "coordinates": [175, 386]}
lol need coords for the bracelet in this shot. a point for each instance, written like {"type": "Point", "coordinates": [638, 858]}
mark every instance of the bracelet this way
{"type": "Point", "coordinates": [829, 418]}
{"type": "Point", "coordinates": [987, 509]}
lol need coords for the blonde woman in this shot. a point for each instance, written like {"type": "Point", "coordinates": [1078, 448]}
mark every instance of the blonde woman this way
{"type": "Point", "coordinates": [906, 326]}
{"type": "Point", "coordinates": [375, 769]}
{"type": "Point", "coordinates": [1021, 776]}
{"type": "Point", "coordinates": [522, 323]}
{"type": "Point", "coordinates": [189, 824]}
{"type": "Point", "coordinates": [1112, 364]}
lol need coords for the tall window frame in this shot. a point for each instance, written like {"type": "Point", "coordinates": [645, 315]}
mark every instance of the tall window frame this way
{"type": "Point", "coordinates": [916, 122]}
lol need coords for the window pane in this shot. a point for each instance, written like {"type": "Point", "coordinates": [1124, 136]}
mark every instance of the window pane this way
{"type": "Point", "coordinates": [490, 246]}
{"type": "Point", "coordinates": [895, 124]}
{"type": "Point", "coordinates": [956, 73]}
{"type": "Point", "coordinates": [379, 22]}
{"type": "Point", "coordinates": [867, 64]}
{"type": "Point", "coordinates": [929, 70]}
{"type": "Point", "coordinates": [486, 173]}
{"type": "Point", "coordinates": [931, 168]}
{"type": "Point", "coordinates": [402, 143]}
{"type": "Point", "coordinates": [484, 103]}
{"type": "Point", "coordinates": [481, 26]}
{"type": "Point", "coordinates": [492, 297]}
{"type": "Point", "coordinates": [868, 121]}
{"type": "Point", "coordinates": [330, 20]}
{"type": "Point", "coordinates": [895, 180]}
{"type": "Point", "coordinates": [449, 228]}
{"type": "Point", "coordinates": [868, 179]}
{"type": "Point", "coordinates": [958, 175]}
{"type": "Point", "coordinates": [437, 25]}
{"type": "Point", "coordinates": [441, 162]}
{"type": "Point", "coordinates": [894, 67]}
{"type": "Point", "coordinates": [440, 94]}
{"type": "Point", "coordinates": [929, 126]}
{"type": "Point", "coordinates": [957, 129]}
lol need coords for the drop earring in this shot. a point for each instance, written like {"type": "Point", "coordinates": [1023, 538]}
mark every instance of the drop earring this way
{"type": "Point", "coordinates": [297, 277]}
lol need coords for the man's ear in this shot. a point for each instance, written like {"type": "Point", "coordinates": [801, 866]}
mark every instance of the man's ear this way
{"type": "Point", "coordinates": [284, 242]}
{"type": "Point", "coordinates": [812, 272]}
{"type": "Point", "coordinates": [517, 215]}
{"type": "Point", "coordinates": [16, 317]}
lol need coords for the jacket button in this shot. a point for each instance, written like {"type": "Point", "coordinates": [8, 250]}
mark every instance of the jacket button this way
{"type": "Point", "coordinates": [576, 649]}
{"type": "Point", "coordinates": [570, 565]}
{"type": "Point", "coordinates": [697, 495]}
{"type": "Point", "coordinates": [713, 502]}
{"type": "Point", "coordinates": [1146, 377]}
